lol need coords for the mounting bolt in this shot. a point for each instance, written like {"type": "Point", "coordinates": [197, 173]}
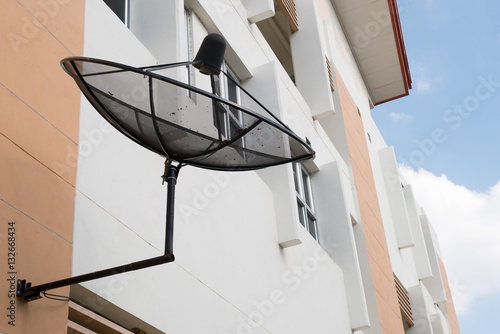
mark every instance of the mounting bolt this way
{"type": "Point", "coordinates": [23, 291]}
{"type": "Point", "coordinates": [21, 286]}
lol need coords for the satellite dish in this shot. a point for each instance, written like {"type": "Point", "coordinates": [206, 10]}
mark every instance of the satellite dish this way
{"type": "Point", "coordinates": [185, 124]}
{"type": "Point", "coordinates": [182, 122]}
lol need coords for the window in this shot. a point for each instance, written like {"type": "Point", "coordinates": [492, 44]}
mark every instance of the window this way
{"type": "Point", "coordinates": [120, 8]}
{"type": "Point", "coordinates": [188, 33]}
{"type": "Point", "coordinates": [228, 120]}
{"type": "Point", "coordinates": [305, 204]}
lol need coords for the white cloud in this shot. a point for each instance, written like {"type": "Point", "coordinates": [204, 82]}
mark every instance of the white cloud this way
{"type": "Point", "coordinates": [427, 79]}
{"type": "Point", "coordinates": [398, 116]}
{"type": "Point", "coordinates": [468, 226]}
{"type": "Point", "coordinates": [423, 86]}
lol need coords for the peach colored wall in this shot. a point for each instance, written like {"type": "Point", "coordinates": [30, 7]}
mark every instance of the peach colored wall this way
{"type": "Point", "coordinates": [39, 115]}
{"type": "Point", "coordinates": [450, 307]}
{"type": "Point", "coordinates": [380, 265]}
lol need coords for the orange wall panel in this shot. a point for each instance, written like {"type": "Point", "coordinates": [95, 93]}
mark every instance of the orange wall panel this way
{"type": "Point", "coordinates": [42, 256]}
{"type": "Point", "coordinates": [380, 266]}
{"type": "Point", "coordinates": [35, 190]}
{"type": "Point", "coordinates": [47, 144]}
{"type": "Point", "coordinates": [450, 307]}
{"type": "Point", "coordinates": [63, 18]}
{"type": "Point", "coordinates": [38, 148]}
{"type": "Point", "coordinates": [31, 69]}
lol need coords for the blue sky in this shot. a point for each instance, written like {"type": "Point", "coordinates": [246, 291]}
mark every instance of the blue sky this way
{"type": "Point", "coordinates": [450, 45]}
{"type": "Point", "coordinates": [448, 133]}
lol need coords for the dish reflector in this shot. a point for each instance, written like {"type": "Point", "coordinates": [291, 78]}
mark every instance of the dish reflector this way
{"type": "Point", "coordinates": [182, 122]}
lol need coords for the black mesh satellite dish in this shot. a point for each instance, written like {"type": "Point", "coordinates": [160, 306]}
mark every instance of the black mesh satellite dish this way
{"type": "Point", "coordinates": [183, 123]}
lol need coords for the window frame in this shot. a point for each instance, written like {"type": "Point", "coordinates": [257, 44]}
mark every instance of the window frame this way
{"type": "Point", "coordinates": [223, 91]}
{"type": "Point", "coordinates": [305, 201]}
{"type": "Point", "coordinates": [188, 34]}
{"type": "Point", "coordinates": [230, 120]}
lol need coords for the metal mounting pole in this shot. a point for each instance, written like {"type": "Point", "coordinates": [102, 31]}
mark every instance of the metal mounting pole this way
{"type": "Point", "coordinates": [171, 178]}
{"type": "Point", "coordinates": [29, 293]}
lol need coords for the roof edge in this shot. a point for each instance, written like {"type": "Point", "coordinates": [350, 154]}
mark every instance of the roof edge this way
{"type": "Point", "coordinates": [400, 44]}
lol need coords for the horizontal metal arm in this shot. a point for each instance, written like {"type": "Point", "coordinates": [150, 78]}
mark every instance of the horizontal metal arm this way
{"type": "Point", "coordinates": [29, 293]}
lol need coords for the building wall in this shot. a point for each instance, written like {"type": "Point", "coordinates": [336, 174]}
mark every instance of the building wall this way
{"type": "Point", "coordinates": [230, 273]}
{"type": "Point", "coordinates": [380, 264]}
{"type": "Point", "coordinates": [244, 263]}
{"type": "Point", "coordinates": [412, 243]}
{"type": "Point", "coordinates": [39, 144]}
{"type": "Point", "coordinates": [450, 308]}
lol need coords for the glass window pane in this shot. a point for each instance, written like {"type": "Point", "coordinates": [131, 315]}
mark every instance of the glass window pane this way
{"type": "Point", "coordinates": [118, 6]}
{"type": "Point", "coordinates": [295, 178]}
{"type": "Point", "coordinates": [189, 56]}
{"type": "Point", "coordinates": [304, 199]}
{"type": "Point", "coordinates": [236, 113]}
{"type": "Point", "coordinates": [232, 91]}
{"type": "Point", "coordinates": [217, 85]}
{"type": "Point", "coordinates": [301, 214]}
{"type": "Point", "coordinates": [312, 226]}
{"type": "Point", "coordinates": [220, 120]}
{"type": "Point", "coordinates": [305, 183]}
{"type": "Point", "coordinates": [187, 31]}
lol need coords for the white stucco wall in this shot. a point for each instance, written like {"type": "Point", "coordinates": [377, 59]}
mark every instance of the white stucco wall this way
{"type": "Point", "coordinates": [230, 273]}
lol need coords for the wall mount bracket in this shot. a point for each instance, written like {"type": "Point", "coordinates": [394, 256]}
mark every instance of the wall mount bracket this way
{"type": "Point", "coordinates": [29, 293]}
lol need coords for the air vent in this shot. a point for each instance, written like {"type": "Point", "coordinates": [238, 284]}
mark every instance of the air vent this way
{"type": "Point", "coordinates": [84, 321]}
{"type": "Point", "coordinates": [330, 75]}
{"type": "Point", "coordinates": [404, 302]}
{"type": "Point", "coordinates": [290, 11]}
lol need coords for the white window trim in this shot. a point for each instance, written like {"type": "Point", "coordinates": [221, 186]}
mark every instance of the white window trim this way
{"type": "Point", "coordinates": [223, 92]}
{"type": "Point", "coordinates": [305, 201]}
{"type": "Point", "coordinates": [127, 13]}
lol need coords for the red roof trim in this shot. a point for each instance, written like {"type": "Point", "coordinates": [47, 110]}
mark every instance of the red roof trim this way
{"type": "Point", "coordinates": [400, 44]}
{"type": "Point", "coordinates": [393, 98]}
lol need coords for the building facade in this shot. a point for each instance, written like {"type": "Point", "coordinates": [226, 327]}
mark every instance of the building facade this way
{"type": "Point", "coordinates": [337, 244]}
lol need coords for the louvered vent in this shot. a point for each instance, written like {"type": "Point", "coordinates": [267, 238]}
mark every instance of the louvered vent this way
{"type": "Point", "coordinates": [404, 302]}
{"type": "Point", "coordinates": [330, 75]}
{"type": "Point", "coordinates": [85, 321]}
{"type": "Point", "coordinates": [290, 11]}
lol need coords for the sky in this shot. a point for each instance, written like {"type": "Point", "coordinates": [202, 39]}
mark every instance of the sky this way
{"type": "Point", "coordinates": [446, 136]}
